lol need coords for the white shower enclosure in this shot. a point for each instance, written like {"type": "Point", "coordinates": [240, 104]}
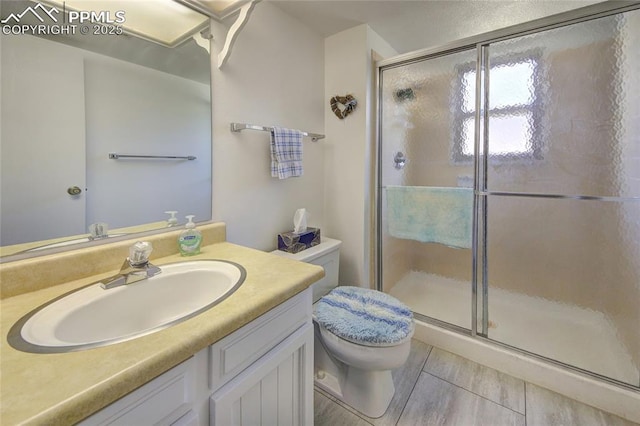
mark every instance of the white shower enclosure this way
{"type": "Point", "coordinates": [539, 125]}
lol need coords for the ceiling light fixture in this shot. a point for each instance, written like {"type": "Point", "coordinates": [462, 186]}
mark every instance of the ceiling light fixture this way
{"type": "Point", "coordinates": [166, 22]}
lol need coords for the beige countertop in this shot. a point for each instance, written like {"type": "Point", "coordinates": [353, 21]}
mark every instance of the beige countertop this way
{"type": "Point", "coordinates": [65, 388]}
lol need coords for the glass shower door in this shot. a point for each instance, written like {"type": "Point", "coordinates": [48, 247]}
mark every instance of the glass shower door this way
{"type": "Point", "coordinates": [563, 195]}
{"type": "Point", "coordinates": [426, 177]}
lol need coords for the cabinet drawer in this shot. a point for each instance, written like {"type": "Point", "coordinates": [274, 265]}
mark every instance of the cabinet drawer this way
{"type": "Point", "coordinates": [232, 354]}
{"type": "Point", "coordinates": [161, 401]}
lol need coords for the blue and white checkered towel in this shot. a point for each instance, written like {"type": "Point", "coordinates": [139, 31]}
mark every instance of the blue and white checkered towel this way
{"type": "Point", "coordinates": [286, 153]}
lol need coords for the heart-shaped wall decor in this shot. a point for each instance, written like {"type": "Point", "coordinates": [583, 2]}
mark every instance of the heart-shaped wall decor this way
{"type": "Point", "coordinates": [343, 105]}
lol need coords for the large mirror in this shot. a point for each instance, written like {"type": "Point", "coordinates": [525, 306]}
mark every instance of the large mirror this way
{"type": "Point", "coordinates": [104, 126]}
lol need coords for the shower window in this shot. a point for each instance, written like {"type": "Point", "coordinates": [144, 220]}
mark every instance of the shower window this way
{"type": "Point", "coordinates": [514, 109]}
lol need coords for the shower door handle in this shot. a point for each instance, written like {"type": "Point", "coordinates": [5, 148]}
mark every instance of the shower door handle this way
{"type": "Point", "coordinates": [399, 160]}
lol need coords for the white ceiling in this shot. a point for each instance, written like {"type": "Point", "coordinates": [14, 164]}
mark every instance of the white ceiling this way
{"type": "Point", "coordinates": [416, 24]}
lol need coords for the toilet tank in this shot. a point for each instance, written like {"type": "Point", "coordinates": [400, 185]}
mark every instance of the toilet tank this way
{"type": "Point", "coordinates": [325, 254]}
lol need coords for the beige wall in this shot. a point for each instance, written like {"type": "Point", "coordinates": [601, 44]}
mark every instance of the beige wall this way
{"type": "Point", "coordinates": [349, 147]}
{"type": "Point", "coordinates": [271, 78]}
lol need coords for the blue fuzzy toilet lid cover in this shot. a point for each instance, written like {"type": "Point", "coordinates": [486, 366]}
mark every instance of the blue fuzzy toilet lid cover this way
{"type": "Point", "coordinates": [364, 316]}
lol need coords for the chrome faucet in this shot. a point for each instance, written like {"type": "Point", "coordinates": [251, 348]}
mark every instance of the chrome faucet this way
{"type": "Point", "coordinates": [98, 230]}
{"type": "Point", "coordinates": [135, 268]}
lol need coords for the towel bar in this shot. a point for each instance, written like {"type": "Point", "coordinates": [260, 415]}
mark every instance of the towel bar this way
{"type": "Point", "coordinates": [237, 127]}
{"type": "Point", "coordinates": [114, 156]}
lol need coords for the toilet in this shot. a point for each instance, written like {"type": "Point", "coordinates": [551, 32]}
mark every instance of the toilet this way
{"type": "Point", "coordinates": [360, 335]}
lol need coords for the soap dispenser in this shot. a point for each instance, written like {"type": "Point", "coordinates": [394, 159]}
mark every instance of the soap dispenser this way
{"type": "Point", "coordinates": [190, 239]}
{"type": "Point", "coordinates": [172, 221]}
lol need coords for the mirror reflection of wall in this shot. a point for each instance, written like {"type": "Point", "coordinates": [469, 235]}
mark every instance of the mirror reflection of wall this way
{"type": "Point", "coordinates": [67, 102]}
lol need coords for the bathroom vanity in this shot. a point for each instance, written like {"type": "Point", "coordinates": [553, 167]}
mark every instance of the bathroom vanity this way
{"type": "Point", "coordinates": [248, 356]}
{"type": "Point", "coordinates": [259, 374]}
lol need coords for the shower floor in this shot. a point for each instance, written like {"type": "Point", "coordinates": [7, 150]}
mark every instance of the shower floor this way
{"type": "Point", "coordinates": [580, 337]}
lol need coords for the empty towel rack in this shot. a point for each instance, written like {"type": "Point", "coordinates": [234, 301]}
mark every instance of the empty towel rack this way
{"type": "Point", "coordinates": [237, 127]}
{"type": "Point", "coordinates": [115, 156]}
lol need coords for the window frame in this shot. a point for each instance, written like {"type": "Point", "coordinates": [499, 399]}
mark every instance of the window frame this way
{"type": "Point", "coordinates": [535, 108]}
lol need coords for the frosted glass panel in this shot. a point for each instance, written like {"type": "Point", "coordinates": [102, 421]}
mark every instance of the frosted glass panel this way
{"type": "Point", "coordinates": [578, 88]}
{"type": "Point", "coordinates": [424, 117]}
{"type": "Point", "coordinates": [427, 115]}
{"type": "Point", "coordinates": [558, 227]}
{"type": "Point", "coordinates": [510, 134]}
{"type": "Point", "coordinates": [511, 85]}
{"type": "Point", "coordinates": [468, 142]}
{"type": "Point", "coordinates": [563, 281]}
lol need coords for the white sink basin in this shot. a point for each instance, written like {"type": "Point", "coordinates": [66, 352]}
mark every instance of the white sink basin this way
{"type": "Point", "coordinates": [93, 316]}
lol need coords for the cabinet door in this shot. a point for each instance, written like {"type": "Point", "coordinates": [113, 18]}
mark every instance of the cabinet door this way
{"type": "Point", "coordinates": [276, 390]}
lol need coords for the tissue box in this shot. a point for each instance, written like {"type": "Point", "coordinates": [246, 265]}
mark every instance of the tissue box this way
{"type": "Point", "coordinates": [295, 243]}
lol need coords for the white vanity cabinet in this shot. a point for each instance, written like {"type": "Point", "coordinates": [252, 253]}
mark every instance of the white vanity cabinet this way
{"type": "Point", "coordinates": [260, 374]}
{"type": "Point", "coordinates": [263, 373]}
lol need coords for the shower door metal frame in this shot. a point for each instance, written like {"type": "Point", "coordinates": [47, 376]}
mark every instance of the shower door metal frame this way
{"type": "Point", "coordinates": [479, 242]}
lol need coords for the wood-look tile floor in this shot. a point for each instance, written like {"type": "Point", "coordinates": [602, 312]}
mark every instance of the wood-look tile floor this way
{"type": "Point", "coordinates": [436, 387]}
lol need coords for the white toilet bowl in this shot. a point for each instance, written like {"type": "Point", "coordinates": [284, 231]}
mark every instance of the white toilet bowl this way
{"type": "Point", "coordinates": [363, 357]}
{"type": "Point", "coordinates": [355, 369]}
{"type": "Point", "coordinates": [365, 334]}
{"type": "Point", "coordinates": [357, 374]}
